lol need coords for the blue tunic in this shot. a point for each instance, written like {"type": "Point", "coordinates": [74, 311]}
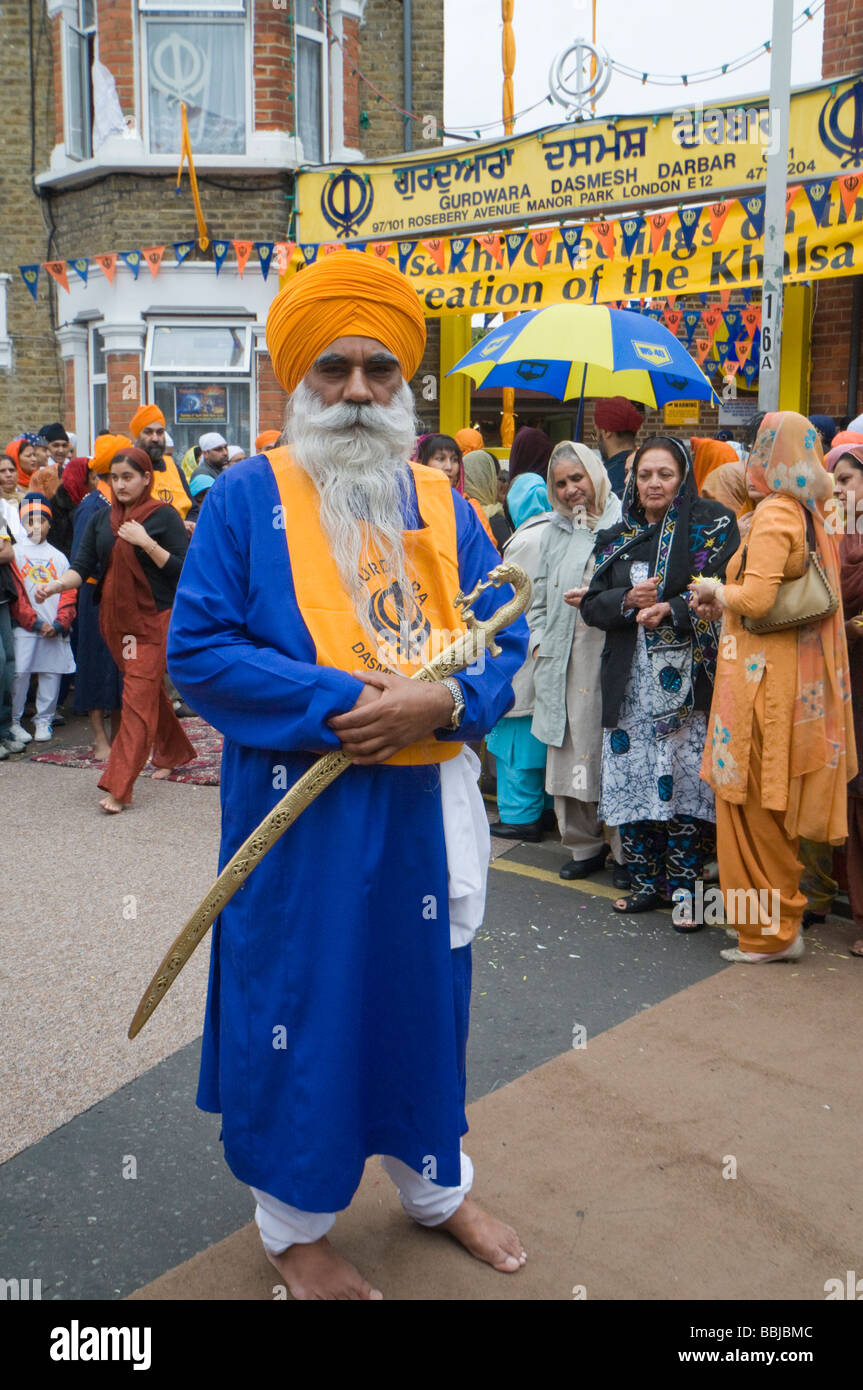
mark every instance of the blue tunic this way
{"type": "Point", "coordinates": [336, 1013]}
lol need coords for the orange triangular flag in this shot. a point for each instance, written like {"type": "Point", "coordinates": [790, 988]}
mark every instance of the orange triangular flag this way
{"type": "Point", "coordinates": [541, 242]}
{"type": "Point", "coordinates": [751, 320]}
{"type": "Point", "coordinates": [242, 251]}
{"type": "Point", "coordinates": [790, 194]}
{"type": "Point", "coordinates": [849, 188]}
{"type": "Point", "coordinates": [437, 251]}
{"type": "Point", "coordinates": [711, 318]}
{"type": "Point", "coordinates": [491, 243]}
{"type": "Point", "coordinates": [724, 298]}
{"type": "Point", "coordinates": [604, 233]}
{"type": "Point", "coordinates": [717, 213]}
{"type": "Point", "coordinates": [284, 251]}
{"type": "Point", "coordinates": [658, 223]}
{"type": "Point", "coordinates": [329, 248]}
{"type": "Point", "coordinates": [743, 347]}
{"type": "Point", "coordinates": [702, 347]}
{"type": "Point", "coordinates": [153, 256]}
{"type": "Point", "coordinates": [731, 368]}
{"type": "Point", "coordinates": [671, 300]}
{"type": "Point", "coordinates": [381, 248]}
{"type": "Point", "coordinates": [108, 262]}
{"type": "Point", "coordinates": [58, 270]}
{"type": "Point", "coordinates": [671, 318]}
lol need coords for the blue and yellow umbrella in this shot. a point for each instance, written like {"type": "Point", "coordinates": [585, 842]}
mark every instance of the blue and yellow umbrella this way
{"type": "Point", "coordinates": [579, 350]}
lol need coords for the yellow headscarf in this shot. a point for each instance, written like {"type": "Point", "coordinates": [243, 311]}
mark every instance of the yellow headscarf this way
{"type": "Point", "coordinates": [480, 481]}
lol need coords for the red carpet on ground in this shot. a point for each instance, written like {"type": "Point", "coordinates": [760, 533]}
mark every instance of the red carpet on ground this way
{"type": "Point", "coordinates": [203, 772]}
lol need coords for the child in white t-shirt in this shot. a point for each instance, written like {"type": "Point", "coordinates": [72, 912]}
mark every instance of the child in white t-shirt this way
{"type": "Point", "coordinates": [47, 650]}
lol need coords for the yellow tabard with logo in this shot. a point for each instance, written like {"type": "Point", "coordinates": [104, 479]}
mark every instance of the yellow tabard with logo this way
{"type": "Point", "coordinates": [412, 628]}
{"type": "Point", "coordinates": [168, 487]}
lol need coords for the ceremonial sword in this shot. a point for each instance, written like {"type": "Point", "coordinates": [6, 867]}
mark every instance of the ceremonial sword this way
{"type": "Point", "coordinates": [464, 651]}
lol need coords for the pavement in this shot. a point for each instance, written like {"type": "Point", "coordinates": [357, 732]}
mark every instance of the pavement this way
{"type": "Point", "coordinates": [657, 1124]}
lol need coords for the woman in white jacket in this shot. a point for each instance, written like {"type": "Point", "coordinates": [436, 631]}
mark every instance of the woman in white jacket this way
{"type": "Point", "coordinates": [568, 714]}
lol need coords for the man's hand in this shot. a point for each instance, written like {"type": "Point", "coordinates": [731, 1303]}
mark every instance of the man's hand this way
{"type": "Point", "coordinates": [391, 713]}
{"type": "Point", "coordinates": [42, 592]}
{"type": "Point", "coordinates": [654, 615]}
{"type": "Point", "coordinates": [190, 527]}
{"type": "Point", "coordinates": [643, 595]}
{"type": "Point", "coordinates": [47, 630]}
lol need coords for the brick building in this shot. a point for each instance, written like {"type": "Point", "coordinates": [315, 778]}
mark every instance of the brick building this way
{"type": "Point", "coordinates": [91, 148]}
{"type": "Point", "coordinates": [837, 326]}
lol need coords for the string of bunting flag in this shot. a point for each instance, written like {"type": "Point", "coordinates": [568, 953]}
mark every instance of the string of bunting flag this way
{"type": "Point", "coordinates": [449, 252]}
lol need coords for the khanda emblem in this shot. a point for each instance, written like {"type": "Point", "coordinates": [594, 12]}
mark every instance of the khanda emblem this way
{"type": "Point", "coordinates": [346, 201]}
{"type": "Point", "coordinates": [840, 125]}
{"type": "Point", "coordinates": [399, 622]}
{"type": "Point", "coordinates": [165, 494]}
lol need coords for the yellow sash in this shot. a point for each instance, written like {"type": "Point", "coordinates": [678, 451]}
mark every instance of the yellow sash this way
{"type": "Point", "coordinates": [411, 631]}
{"type": "Point", "coordinates": [168, 487]}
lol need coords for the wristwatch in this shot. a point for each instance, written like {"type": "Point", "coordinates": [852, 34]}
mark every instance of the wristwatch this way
{"type": "Point", "coordinates": [457, 694]}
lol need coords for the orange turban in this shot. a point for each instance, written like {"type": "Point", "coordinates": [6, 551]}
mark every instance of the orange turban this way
{"type": "Point", "coordinates": [846, 437]}
{"type": "Point", "coordinates": [708, 454]}
{"type": "Point", "coordinates": [468, 440]}
{"type": "Point", "coordinates": [145, 415]}
{"type": "Point", "coordinates": [266, 439]}
{"type": "Point", "coordinates": [106, 446]}
{"type": "Point", "coordinates": [347, 294]}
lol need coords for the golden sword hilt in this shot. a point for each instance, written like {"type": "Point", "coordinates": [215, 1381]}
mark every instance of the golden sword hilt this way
{"type": "Point", "coordinates": [465, 651]}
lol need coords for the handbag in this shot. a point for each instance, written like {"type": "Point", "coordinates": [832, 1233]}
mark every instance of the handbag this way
{"type": "Point", "coordinates": [807, 599]}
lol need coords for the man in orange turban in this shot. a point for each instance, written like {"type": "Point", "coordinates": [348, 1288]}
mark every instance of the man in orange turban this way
{"type": "Point", "coordinates": [320, 576]}
{"type": "Point", "coordinates": [147, 428]}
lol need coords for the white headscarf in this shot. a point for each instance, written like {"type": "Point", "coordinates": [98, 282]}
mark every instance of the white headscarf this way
{"type": "Point", "coordinates": [595, 470]}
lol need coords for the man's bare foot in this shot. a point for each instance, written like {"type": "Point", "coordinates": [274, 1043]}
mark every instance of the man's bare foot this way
{"type": "Point", "coordinates": [485, 1237]}
{"type": "Point", "coordinates": [315, 1271]}
{"type": "Point", "coordinates": [161, 773]}
{"type": "Point", "coordinates": [110, 804]}
{"type": "Point", "coordinates": [101, 752]}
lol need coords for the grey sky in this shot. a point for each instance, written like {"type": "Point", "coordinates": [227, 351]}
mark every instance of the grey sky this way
{"type": "Point", "coordinates": [662, 36]}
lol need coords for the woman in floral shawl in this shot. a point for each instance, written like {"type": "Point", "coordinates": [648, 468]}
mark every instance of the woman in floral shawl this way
{"type": "Point", "coordinates": [657, 674]}
{"type": "Point", "coordinates": [781, 746]}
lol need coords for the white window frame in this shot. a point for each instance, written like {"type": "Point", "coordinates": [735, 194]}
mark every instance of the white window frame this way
{"type": "Point", "coordinates": [151, 10]}
{"type": "Point", "coordinates": [320, 37]}
{"type": "Point", "coordinates": [189, 321]}
{"type": "Point", "coordinates": [84, 33]}
{"type": "Point", "coordinates": [96, 378]}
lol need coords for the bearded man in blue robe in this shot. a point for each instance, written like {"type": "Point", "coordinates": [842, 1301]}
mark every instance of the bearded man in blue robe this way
{"type": "Point", "coordinates": [320, 576]}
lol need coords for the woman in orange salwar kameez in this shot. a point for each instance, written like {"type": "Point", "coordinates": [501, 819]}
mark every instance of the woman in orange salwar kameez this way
{"type": "Point", "coordinates": [780, 746]}
{"type": "Point", "coordinates": [139, 545]}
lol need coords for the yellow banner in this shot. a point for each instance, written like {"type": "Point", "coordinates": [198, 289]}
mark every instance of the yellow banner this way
{"type": "Point", "coordinates": [621, 163]}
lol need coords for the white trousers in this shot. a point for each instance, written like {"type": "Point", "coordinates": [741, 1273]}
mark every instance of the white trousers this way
{"type": "Point", "coordinates": [468, 844]}
{"type": "Point", "coordinates": [281, 1225]}
{"type": "Point", "coordinates": [47, 694]}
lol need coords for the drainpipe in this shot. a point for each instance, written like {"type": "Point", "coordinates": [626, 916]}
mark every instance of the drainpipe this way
{"type": "Point", "coordinates": [853, 408]}
{"type": "Point", "coordinates": [409, 70]}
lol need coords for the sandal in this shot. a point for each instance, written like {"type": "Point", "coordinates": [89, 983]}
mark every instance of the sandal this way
{"type": "Point", "coordinates": [644, 901]}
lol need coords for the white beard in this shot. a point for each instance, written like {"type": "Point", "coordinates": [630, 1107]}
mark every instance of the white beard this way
{"type": "Point", "coordinates": [356, 455]}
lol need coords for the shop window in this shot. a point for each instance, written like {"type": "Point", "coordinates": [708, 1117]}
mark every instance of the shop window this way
{"type": "Point", "coordinates": [79, 50]}
{"type": "Point", "coordinates": [312, 90]}
{"type": "Point", "coordinates": [196, 53]}
{"type": "Point", "coordinates": [200, 375]}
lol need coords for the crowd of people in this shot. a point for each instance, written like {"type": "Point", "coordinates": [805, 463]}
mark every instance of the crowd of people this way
{"type": "Point", "coordinates": [663, 725]}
